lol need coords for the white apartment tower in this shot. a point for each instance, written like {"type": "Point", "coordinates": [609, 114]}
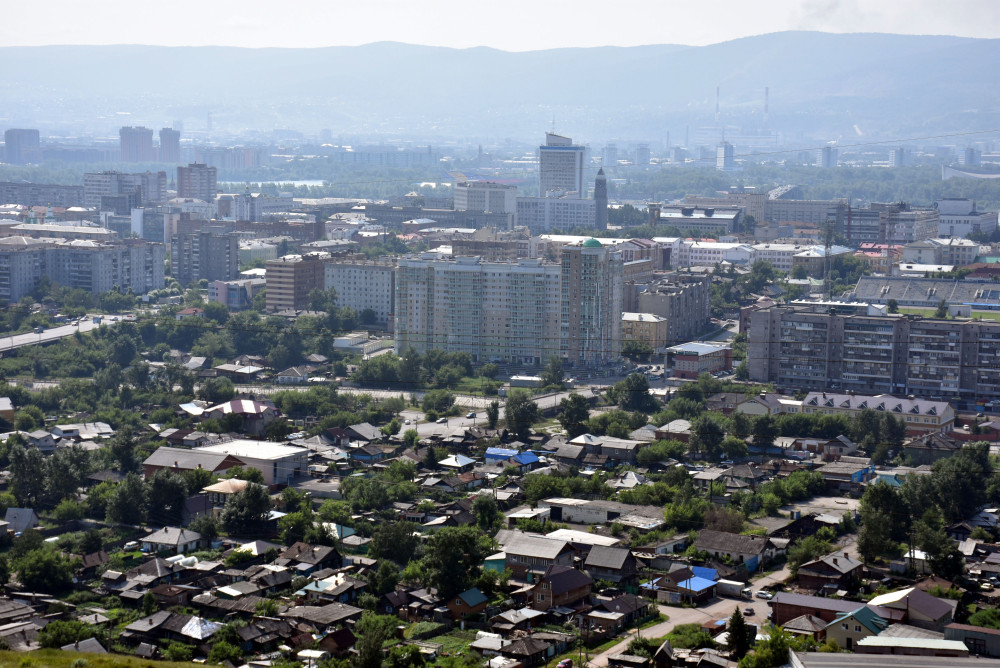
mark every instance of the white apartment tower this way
{"type": "Point", "coordinates": [560, 165]}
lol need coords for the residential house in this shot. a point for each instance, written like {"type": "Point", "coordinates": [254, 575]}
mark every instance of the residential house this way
{"type": "Point", "coordinates": [847, 476]}
{"type": "Point", "coordinates": [255, 415]}
{"type": "Point", "coordinates": [560, 586]}
{"type": "Point", "coordinates": [219, 492]}
{"type": "Point", "coordinates": [179, 460]}
{"type": "Point", "coordinates": [807, 625]}
{"type": "Point", "coordinates": [467, 604]}
{"type": "Point", "coordinates": [753, 551]}
{"type": "Point", "coordinates": [323, 618]}
{"type": "Point", "coordinates": [364, 432]}
{"type": "Point", "coordinates": [634, 608]}
{"type": "Point", "coordinates": [173, 540]}
{"type": "Point", "coordinates": [724, 402]}
{"type": "Point", "coordinates": [918, 607]}
{"type": "Point", "coordinates": [850, 627]}
{"type": "Point", "coordinates": [836, 571]}
{"type": "Point", "coordinates": [43, 440]}
{"type": "Point", "coordinates": [166, 625]}
{"type": "Point", "coordinates": [614, 564]}
{"type": "Point", "coordinates": [295, 375]}
{"type": "Point", "coordinates": [304, 558]}
{"type": "Point", "coordinates": [522, 619]}
{"type": "Point", "coordinates": [929, 448]}
{"type": "Point", "coordinates": [529, 652]}
{"type": "Point", "coordinates": [20, 520]}
{"type": "Point", "coordinates": [786, 606]}
{"type": "Point", "coordinates": [529, 556]}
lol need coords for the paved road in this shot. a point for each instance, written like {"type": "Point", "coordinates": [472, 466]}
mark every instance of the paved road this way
{"type": "Point", "coordinates": [49, 335]}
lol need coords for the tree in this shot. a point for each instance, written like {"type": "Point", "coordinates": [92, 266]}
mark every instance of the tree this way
{"type": "Point", "coordinates": [884, 521]}
{"type": "Point", "coordinates": [489, 370]}
{"type": "Point", "coordinates": [942, 310]}
{"type": "Point", "coordinates": [799, 272]}
{"type": "Point", "coordinates": [740, 635]}
{"type": "Point", "coordinates": [411, 437]}
{"type": "Point", "coordinates": [520, 413]}
{"type": "Point", "coordinates": [250, 474]}
{"type": "Point", "coordinates": [216, 311]}
{"type": "Point", "coordinates": [386, 578]}
{"type": "Point", "coordinates": [574, 411]}
{"type": "Point", "coordinates": [217, 390]}
{"type": "Point", "coordinates": [706, 436]}
{"type": "Point", "coordinates": [806, 550]}
{"type": "Point", "coordinates": [394, 541]}
{"type": "Point", "coordinates": [492, 414]}
{"type": "Point", "coordinates": [206, 525]}
{"type": "Point", "coordinates": [764, 432]}
{"type": "Point", "coordinates": [223, 651]}
{"type": "Point", "coordinates": [58, 633]}
{"type": "Point", "coordinates": [437, 400]}
{"type": "Point", "coordinates": [372, 632]}
{"type": "Point", "coordinates": [405, 656]}
{"type": "Point", "coordinates": [45, 570]}
{"type": "Point", "coordinates": [246, 511]}
{"type": "Point", "coordinates": [167, 493]}
{"type": "Point", "coordinates": [961, 481]}
{"type": "Point", "coordinates": [553, 372]}
{"type": "Point", "coordinates": [27, 469]}
{"type": "Point", "coordinates": [893, 306]}
{"type": "Point", "coordinates": [127, 504]}
{"type": "Point", "coordinates": [632, 394]}
{"type": "Point", "coordinates": [454, 557]}
{"type": "Point", "coordinates": [487, 512]}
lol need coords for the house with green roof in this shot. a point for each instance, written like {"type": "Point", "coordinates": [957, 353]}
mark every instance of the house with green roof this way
{"type": "Point", "coordinates": [848, 628]}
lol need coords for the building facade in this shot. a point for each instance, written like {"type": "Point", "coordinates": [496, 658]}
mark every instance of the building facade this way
{"type": "Point", "coordinates": [647, 328]}
{"type": "Point", "coordinates": [499, 311]}
{"type": "Point", "coordinates": [683, 300]}
{"type": "Point", "coordinates": [854, 347]}
{"type": "Point", "coordinates": [170, 145]}
{"type": "Point", "coordinates": [590, 315]}
{"type": "Point", "coordinates": [560, 166]}
{"type": "Point", "coordinates": [136, 144]}
{"type": "Point", "coordinates": [21, 146]}
{"type": "Point", "coordinates": [363, 285]}
{"type": "Point", "coordinates": [211, 253]}
{"type": "Point", "coordinates": [291, 278]}
{"type": "Point", "coordinates": [197, 181]}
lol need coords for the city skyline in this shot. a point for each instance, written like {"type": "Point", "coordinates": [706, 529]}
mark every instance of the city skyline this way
{"type": "Point", "coordinates": [522, 26]}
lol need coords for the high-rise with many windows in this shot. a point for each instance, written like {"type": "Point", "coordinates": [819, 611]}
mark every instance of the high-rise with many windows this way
{"type": "Point", "coordinates": [591, 309]}
{"type": "Point", "coordinates": [136, 144]}
{"type": "Point", "coordinates": [197, 181]}
{"type": "Point", "coordinates": [560, 165]}
{"type": "Point", "coordinates": [21, 146]}
{"type": "Point", "coordinates": [170, 145]}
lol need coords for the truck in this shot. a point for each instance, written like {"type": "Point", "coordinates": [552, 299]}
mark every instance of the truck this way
{"type": "Point", "coordinates": [734, 589]}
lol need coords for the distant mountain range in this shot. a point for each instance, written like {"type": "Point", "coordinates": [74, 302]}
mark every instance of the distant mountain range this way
{"type": "Point", "coordinates": [821, 85]}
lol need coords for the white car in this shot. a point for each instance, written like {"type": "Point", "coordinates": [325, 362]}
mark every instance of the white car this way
{"type": "Point", "coordinates": [766, 595]}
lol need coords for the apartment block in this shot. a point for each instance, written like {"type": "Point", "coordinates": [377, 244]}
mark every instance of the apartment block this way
{"type": "Point", "coordinates": [143, 187]}
{"type": "Point", "coordinates": [363, 285]}
{"type": "Point", "coordinates": [21, 146]}
{"type": "Point", "coordinates": [502, 311]}
{"type": "Point", "coordinates": [197, 181]}
{"type": "Point", "coordinates": [960, 218]}
{"type": "Point", "coordinates": [560, 213]}
{"type": "Point", "coordinates": [485, 196]}
{"type": "Point", "coordinates": [683, 300]}
{"type": "Point", "coordinates": [560, 166]}
{"type": "Point", "coordinates": [291, 278]}
{"type": "Point", "coordinates": [93, 266]}
{"type": "Point", "coordinates": [40, 194]}
{"type": "Point", "coordinates": [136, 144]}
{"type": "Point", "coordinates": [856, 347]}
{"type": "Point", "coordinates": [211, 253]}
{"type": "Point", "coordinates": [592, 289]}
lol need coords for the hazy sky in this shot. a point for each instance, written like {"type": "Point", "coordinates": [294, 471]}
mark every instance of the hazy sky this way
{"type": "Point", "coordinates": [514, 25]}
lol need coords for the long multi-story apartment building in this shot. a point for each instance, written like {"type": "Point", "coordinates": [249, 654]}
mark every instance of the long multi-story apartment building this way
{"type": "Point", "coordinates": [93, 266]}
{"type": "Point", "coordinates": [197, 181]}
{"type": "Point", "coordinates": [856, 347]}
{"type": "Point", "coordinates": [145, 187]}
{"type": "Point", "coordinates": [40, 194]}
{"type": "Point", "coordinates": [684, 300]}
{"type": "Point", "coordinates": [502, 311]}
{"type": "Point", "coordinates": [363, 284]}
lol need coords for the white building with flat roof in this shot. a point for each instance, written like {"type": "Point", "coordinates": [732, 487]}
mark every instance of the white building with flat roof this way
{"type": "Point", "coordinates": [279, 464]}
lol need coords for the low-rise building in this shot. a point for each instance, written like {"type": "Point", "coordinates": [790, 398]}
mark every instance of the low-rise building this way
{"type": "Point", "coordinates": [279, 464]}
{"type": "Point", "coordinates": [690, 360]}
{"type": "Point", "coordinates": [647, 328]}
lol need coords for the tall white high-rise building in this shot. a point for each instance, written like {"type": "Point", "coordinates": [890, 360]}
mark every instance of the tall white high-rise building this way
{"type": "Point", "coordinates": [724, 157]}
{"type": "Point", "coordinates": [560, 165]}
{"type": "Point", "coordinates": [593, 280]}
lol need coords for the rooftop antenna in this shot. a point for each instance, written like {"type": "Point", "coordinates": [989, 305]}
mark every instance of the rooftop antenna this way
{"type": "Point", "coordinates": [553, 123]}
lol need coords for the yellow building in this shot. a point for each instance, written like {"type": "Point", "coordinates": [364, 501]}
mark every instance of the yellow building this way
{"type": "Point", "coordinates": [646, 327]}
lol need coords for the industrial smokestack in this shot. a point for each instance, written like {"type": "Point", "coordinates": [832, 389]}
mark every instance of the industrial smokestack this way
{"type": "Point", "coordinates": [716, 105]}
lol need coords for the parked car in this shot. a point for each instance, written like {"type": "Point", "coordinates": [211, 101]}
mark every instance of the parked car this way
{"type": "Point", "coordinates": [749, 612]}
{"type": "Point", "coordinates": [442, 420]}
{"type": "Point", "coordinates": [766, 595]}
{"type": "Point", "coordinates": [470, 414]}
{"type": "Point", "coordinates": [565, 663]}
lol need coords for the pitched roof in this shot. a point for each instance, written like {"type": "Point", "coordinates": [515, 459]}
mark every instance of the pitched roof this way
{"type": "Point", "coordinates": [607, 557]}
{"type": "Point", "coordinates": [805, 624]}
{"type": "Point", "coordinates": [562, 579]}
{"type": "Point", "coordinates": [865, 616]}
{"type": "Point", "coordinates": [913, 599]}
{"type": "Point", "coordinates": [473, 597]}
{"type": "Point", "coordinates": [308, 554]}
{"type": "Point", "coordinates": [172, 536]}
{"type": "Point", "coordinates": [182, 458]}
{"type": "Point", "coordinates": [724, 541]}
{"type": "Point", "coordinates": [838, 562]}
{"type": "Point", "coordinates": [20, 519]}
{"type": "Point", "coordinates": [535, 546]}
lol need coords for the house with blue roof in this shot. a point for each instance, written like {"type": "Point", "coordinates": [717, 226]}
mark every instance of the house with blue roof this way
{"type": "Point", "coordinates": [696, 589]}
{"type": "Point", "coordinates": [467, 604]}
{"type": "Point", "coordinates": [499, 454]}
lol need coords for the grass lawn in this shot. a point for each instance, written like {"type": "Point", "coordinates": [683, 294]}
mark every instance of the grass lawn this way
{"type": "Point", "coordinates": [455, 640]}
{"type": "Point", "coordinates": [54, 658]}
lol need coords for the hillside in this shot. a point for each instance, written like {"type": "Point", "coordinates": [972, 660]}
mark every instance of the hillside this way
{"type": "Point", "coordinates": [888, 85]}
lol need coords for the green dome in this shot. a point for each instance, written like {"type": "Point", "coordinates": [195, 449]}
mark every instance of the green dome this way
{"type": "Point", "coordinates": [591, 243]}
